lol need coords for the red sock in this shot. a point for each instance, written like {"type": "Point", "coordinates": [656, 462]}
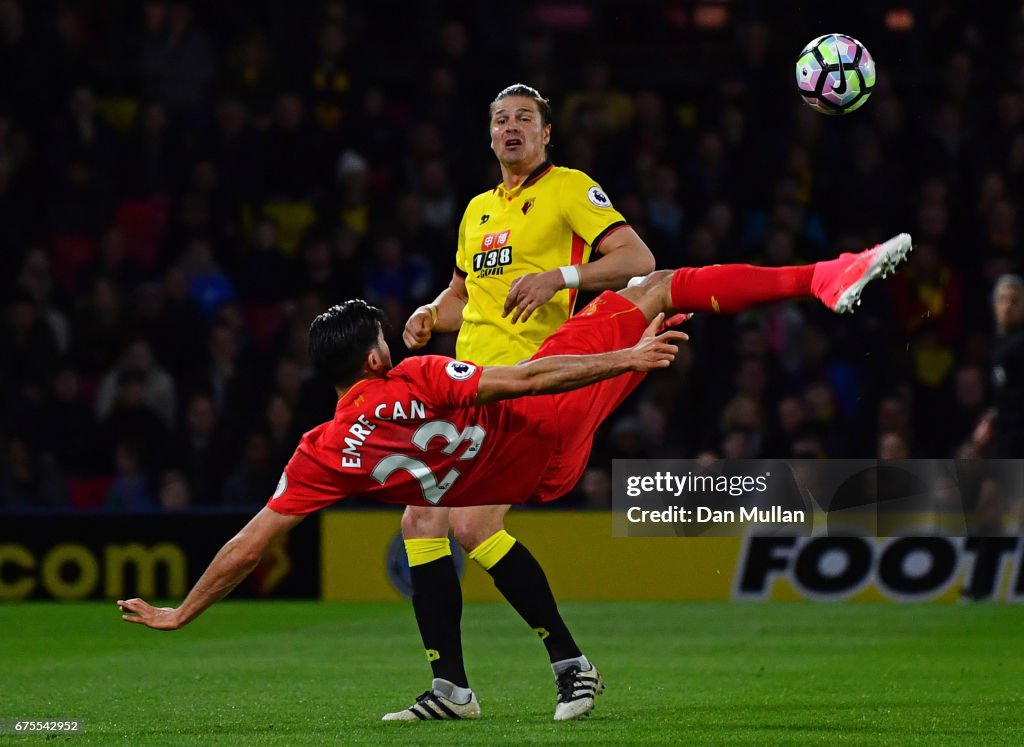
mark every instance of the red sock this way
{"type": "Point", "coordinates": [729, 289]}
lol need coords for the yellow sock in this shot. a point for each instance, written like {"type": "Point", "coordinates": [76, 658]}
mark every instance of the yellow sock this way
{"type": "Point", "coordinates": [420, 551]}
{"type": "Point", "coordinates": [492, 549]}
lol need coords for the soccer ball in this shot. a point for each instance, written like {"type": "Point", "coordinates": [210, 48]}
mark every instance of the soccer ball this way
{"type": "Point", "coordinates": [835, 74]}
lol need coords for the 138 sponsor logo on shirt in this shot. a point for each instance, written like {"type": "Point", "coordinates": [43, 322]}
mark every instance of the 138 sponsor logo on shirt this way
{"type": "Point", "coordinates": [495, 254]}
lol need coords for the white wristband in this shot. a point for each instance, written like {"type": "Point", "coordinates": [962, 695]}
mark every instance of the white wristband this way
{"type": "Point", "coordinates": [571, 276]}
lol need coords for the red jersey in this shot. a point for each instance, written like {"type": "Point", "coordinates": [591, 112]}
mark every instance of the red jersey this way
{"type": "Point", "coordinates": [414, 437]}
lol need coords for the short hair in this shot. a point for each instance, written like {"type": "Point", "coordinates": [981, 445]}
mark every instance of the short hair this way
{"type": "Point", "coordinates": [529, 92]}
{"type": "Point", "coordinates": [1014, 281]}
{"type": "Point", "coordinates": [341, 337]}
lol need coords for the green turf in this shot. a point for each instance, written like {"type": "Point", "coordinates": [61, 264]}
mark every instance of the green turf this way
{"type": "Point", "coordinates": [307, 673]}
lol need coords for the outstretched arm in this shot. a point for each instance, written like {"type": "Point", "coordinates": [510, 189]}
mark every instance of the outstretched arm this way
{"type": "Point", "coordinates": [230, 566]}
{"type": "Point", "coordinates": [562, 373]}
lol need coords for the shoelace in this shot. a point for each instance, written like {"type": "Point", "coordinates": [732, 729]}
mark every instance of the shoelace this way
{"type": "Point", "coordinates": [566, 684]}
{"type": "Point", "coordinates": [430, 703]}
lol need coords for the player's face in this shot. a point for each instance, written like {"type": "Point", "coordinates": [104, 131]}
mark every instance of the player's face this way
{"type": "Point", "coordinates": [518, 135]}
{"type": "Point", "coordinates": [1008, 307]}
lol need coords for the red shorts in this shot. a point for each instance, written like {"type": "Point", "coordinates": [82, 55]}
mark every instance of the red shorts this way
{"type": "Point", "coordinates": [609, 322]}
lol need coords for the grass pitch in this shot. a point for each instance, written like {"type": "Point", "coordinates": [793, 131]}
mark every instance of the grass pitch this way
{"type": "Point", "coordinates": [307, 673]}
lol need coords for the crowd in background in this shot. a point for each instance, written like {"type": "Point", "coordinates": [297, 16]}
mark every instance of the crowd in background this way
{"type": "Point", "coordinates": [184, 186]}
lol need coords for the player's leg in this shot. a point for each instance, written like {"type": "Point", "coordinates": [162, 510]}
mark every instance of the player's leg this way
{"type": "Point", "coordinates": [730, 289]}
{"type": "Point", "coordinates": [615, 320]}
{"type": "Point", "coordinates": [522, 581]}
{"type": "Point", "coordinates": [437, 603]}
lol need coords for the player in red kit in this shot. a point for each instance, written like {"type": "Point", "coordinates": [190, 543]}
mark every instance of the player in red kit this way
{"type": "Point", "coordinates": [432, 430]}
{"type": "Point", "coordinates": [426, 434]}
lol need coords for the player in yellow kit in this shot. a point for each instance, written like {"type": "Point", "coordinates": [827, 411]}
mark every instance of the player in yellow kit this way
{"type": "Point", "coordinates": [553, 219]}
{"type": "Point", "coordinates": [525, 248]}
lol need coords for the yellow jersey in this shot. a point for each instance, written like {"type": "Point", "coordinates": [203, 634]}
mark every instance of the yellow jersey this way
{"type": "Point", "coordinates": [556, 217]}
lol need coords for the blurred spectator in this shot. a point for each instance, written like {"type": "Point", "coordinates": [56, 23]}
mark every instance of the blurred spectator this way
{"type": "Point", "coordinates": [653, 132]}
{"type": "Point", "coordinates": [742, 428]}
{"type": "Point", "coordinates": [439, 204]}
{"type": "Point", "coordinates": [203, 210]}
{"type": "Point", "coordinates": [70, 426]}
{"type": "Point", "coordinates": [706, 176]}
{"type": "Point", "coordinates": [253, 481]}
{"type": "Point", "coordinates": [598, 107]}
{"type": "Point", "coordinates": [824, 418]}
{"type": "Point", "coordinates": [137, 356]}
{"type": "Point", "coordinates": [16, 55]}
{"type": "Point", "coordinates": [99, 328]}
{"type": "Point", "coordinates": [130, 490]}
{"type": "Point", "coordinates": [132, 421]}
{"type": "Point", "coordinates": [596, 486]}
{"type": "Point", "coordinates": [71, 46]}
{"type": "Point", "coordinates": [173, 322]}
{"type": "Point", "coordinates": [893, 445]}
{"type": "Point", "coordinates": [791, 424]}
{"type": "Point", "coordinates": [329, 80]}
{"type": "Point", "coordinates": [235, 149]}
{"type": "Point", "coordinates": [201, 451]}
{"type": "Point", "coordinates": [295, 158]}
{"type": "Point", "coordinates": [1001, 432]}
{"type": "Point", "coordinates": [1001, 243]}
{"type": "Point", "coordinates": [154, 159]}
{"type": "Point", "coordinates": [112, 262]}
{"type": "Point", "coordinates": [628, 440]}
{"type": "Point", "coordinates": [29, 480]}
{"type": "Point", "coordinates": [36, 278]}
{"type": "Point", "coordinates": [220, 374]}
{"type": "Point", "coordinates": [354, 197]}
{"type": "Point", "coordinates": [29, 344]}
{"type": "Point", "coordinates": [894, 417]}
{"type": "Point", "coordinates": [809, 446]}
{"type": "Point", "coordinates": [264, 274]}
{"type": "Point", "coordinates": [397, 278]}
{"type": "Point", "coordinates": [83, 134]}
{"type": "Point", "coordinates": [928, 293]}
{"type": "Point", "coordinates": [82, 201]}
{"type": "Point", "coordinates": [175, 493]}
{"type": "Point", "coordinates": [279, 422]}
{"type": "Point", "coordinates": [664, 213]}
{"type": "Point", "coordinates": [251, 76]}
{"type": "Point", "coordinates": [318, 273]}
{"type": "Point", "coordinates": [967, 406]}
{"type": "Point", "coordinates": [208, 285]}
{"type": "Point", "coordinates": [176, 61]}
{"type": "Point", "coordinates": [373, 125]}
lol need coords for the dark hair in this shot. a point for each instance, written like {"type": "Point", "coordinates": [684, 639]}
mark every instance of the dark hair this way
{"type": "Point", "coordinates": [340, 338]}
{"type": "Point", "coordinates": [521, 89]}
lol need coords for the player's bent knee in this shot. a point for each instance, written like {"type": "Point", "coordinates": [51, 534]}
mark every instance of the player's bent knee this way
{"type": "Point", "coordinates": [492, 549]}
{"type": "Point", "coordinates": [472, 526]}
{"type": "Point", "coordinates": [419, 522]}
{"type": "Point", "coordinates": [653, 291]}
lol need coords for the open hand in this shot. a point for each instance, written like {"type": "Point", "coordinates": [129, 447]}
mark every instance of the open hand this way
{"type": "Point", "coordinates": [531, 291]}
{"type": "Point", "coordinates": [141, 612]}
{"type": "Point", "coordinates": [656, 350]}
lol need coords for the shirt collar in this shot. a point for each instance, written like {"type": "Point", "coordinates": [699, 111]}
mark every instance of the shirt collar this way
{"type": "Point", "coordinates": [534, 176]}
